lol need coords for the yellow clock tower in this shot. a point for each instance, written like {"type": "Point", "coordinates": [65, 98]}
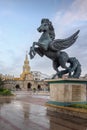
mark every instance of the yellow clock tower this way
{"type": "Point", "coordinates": [26, 74]}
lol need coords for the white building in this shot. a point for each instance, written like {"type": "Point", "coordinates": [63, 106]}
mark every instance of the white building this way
{"type": "Point", "coordinates": [39, 76]}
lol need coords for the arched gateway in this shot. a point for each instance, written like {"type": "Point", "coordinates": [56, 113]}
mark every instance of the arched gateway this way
{"type": "Point", "coordinates": [29, 85]}
{"type": "Point", "coordinates": [17, 87]}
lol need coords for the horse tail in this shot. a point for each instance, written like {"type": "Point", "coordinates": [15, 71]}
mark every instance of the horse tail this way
{"type": "Point", "coordinates": [75, 66]}
{"type": "Point", "coordinates": [77, 72]}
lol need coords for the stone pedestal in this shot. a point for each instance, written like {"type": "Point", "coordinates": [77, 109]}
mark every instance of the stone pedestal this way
{"type": "Point", "coordinates": [67, 90]}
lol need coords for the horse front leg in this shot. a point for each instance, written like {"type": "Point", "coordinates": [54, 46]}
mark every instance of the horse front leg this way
{"type": "Point", "coordinates": [33, 46]}
{"type": "Point", "coordinates": [35, 43]}
{"type": "Point", "coordinates": [31, 53]}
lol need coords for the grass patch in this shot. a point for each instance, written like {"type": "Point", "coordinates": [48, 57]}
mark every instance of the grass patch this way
{"type": "Point", "coordinates": [5, 92]}
{"type": "Point", "coordinates": [84, 106]}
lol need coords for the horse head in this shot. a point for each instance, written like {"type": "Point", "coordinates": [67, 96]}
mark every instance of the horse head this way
{"type": "Point", "coordinates": [46, 26]}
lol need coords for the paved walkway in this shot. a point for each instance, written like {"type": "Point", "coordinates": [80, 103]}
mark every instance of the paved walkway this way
{"type": "Point", "coordinates": [28, 112]}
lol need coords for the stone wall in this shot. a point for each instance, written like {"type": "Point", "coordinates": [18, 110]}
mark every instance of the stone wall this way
{"type": "Point", "coordinates": [23, 84]}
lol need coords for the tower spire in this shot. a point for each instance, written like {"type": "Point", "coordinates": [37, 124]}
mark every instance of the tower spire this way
{"type": "Point", "coordinates": [26, 56]}
{"type": "Point", "coordinates": [26, 67]}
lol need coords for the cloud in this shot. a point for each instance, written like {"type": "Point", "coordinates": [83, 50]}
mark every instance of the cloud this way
{"type": "Point", "coordinates": [73, 16]}
{"type": "Point", "coordinates": [12, 58]}
{"type": "Point", "coordinates": [77, 11]}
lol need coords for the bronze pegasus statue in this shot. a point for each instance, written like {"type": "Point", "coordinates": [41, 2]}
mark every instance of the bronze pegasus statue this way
{"type": "Point", "coordinates": [52, 48]}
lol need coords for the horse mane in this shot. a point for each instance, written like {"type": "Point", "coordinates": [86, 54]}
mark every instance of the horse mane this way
{"type": "Point", "coordinates": [51, 28]}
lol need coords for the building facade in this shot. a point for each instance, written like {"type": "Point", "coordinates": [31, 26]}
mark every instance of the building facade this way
{"type": "Point", "coordinates": [39, 76]}
{"type": "Point", "coordinates": [28, 80]}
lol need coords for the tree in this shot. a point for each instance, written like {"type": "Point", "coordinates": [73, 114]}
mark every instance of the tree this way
{"type": "Point", "coordinates": [1, 82]}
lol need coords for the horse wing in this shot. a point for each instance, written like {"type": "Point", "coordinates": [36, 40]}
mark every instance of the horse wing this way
{"type": "Point", "coordinates": [61, 44]}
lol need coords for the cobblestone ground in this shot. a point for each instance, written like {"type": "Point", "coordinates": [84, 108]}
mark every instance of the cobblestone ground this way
{"type": "Point", "coordinates": [27, 111]}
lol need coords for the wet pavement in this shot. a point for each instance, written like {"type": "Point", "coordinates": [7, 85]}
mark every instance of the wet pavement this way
{"type": "Point", "coordinates": [28, 112]}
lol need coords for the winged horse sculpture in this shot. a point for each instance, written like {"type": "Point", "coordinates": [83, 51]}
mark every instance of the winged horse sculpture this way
{"type": "Point", "coordinates": [52, 48]}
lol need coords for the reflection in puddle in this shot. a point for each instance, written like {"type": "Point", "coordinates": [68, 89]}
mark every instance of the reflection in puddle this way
{"type": "Point", "coordinates": [27, 116]}
{"type": "Point", "coordinates": [5, 100]}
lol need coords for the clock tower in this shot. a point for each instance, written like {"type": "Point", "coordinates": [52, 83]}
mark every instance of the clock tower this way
{"type": "Point", "coordinates": [26, 74]}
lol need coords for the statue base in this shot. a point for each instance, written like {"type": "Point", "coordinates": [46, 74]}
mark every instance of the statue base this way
{"type": "Point", "coordinates": [67, 90]}
{"type": "Point", "coordinates": [64, 92]}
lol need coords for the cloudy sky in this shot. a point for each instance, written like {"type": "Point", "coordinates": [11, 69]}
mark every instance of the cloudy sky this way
{"type": "Point", "coordinates": [19, 20]}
